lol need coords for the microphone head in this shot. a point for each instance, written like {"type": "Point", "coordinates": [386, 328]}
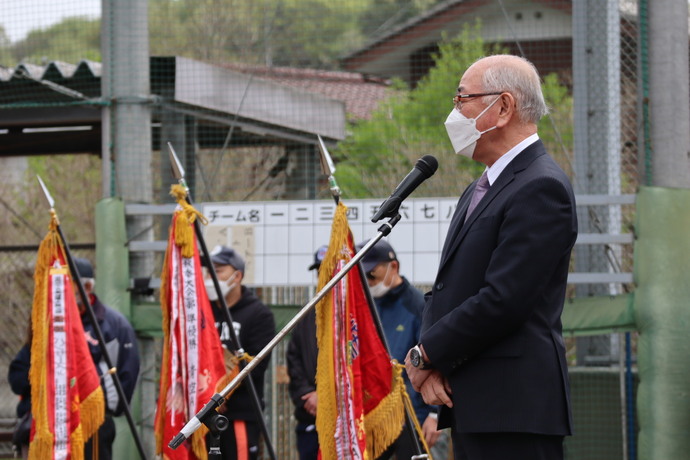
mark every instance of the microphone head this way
{"type": "Point", "coordinates": [428, 165]}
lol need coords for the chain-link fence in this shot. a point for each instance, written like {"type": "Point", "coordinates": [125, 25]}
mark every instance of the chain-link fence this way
{"type": "Point", "coordinates": [91, 93]}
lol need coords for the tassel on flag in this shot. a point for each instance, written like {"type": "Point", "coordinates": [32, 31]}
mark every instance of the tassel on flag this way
{"type": "Point", "coordinates": [360, 391]}
{"type": "Point", "coordinates": [67, 401]}
{"type": "Point", "coordinates": [192, 352]}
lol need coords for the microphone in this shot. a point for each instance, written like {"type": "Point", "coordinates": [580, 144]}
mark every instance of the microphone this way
{"type": "Point", "coordinates": [423, 169]}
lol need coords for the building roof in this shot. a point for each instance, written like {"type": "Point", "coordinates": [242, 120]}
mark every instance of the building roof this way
{"type": "Point", "coordinates": [388, 54]}
{"type": "Point", "coordinates": [360, 93]}
{"type": "Point", "coordinates": [58, 94]}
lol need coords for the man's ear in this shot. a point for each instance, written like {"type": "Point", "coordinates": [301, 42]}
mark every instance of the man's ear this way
{"type": "Point", "coordinates": [88, 286]}
{"type": "Point", "coordinates": [507, 109]}
{"type": "Point", "coordinates": [396, 265]}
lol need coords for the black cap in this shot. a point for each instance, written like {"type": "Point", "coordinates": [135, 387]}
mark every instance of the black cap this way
{"type": "Point", "coordinates": [223, 255]}
{"type": "Point", "coordinates": [84, 267]}
{"type": "Point", "coordinates": [381, 252]}
{"type": "Point", "coordinates": [318, 257]}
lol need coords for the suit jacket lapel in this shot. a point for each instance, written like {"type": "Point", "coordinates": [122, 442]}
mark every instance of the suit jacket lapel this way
{"type": "Point", "coordinates": [458, 229]}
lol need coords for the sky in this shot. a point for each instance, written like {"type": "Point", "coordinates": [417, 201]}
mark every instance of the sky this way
{"type": "Point", "coordinates": [18, 17]}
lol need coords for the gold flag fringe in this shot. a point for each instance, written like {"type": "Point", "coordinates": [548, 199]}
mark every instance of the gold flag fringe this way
{"type": "Point", "coordinates": [411, 411]}
{"type": "Point", "coordinates": [92, 409]}
{"type": "Point", "coordinates": [384, 423]}
{"type": "Point", "coordinates": [325, 373]}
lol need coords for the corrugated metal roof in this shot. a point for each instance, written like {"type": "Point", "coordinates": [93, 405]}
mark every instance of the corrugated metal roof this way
{"type": "Point", "coordinates": [54, 70]}
{"type": "Point", "coordinates": [360, 93]}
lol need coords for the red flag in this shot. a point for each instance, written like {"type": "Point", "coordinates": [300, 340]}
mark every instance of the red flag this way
{"type": "Point", "coordinates": [66, 396]}
{"type": "Point", "coordinates": [192, 351]}
{"type": "Point", "coordinates": [360, 391]}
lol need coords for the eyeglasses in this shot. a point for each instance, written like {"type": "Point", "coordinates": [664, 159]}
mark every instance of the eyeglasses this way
{"type": "Point", "coordinates": [457, 100]}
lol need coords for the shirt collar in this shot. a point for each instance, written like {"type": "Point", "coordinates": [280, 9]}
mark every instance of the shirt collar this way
{"type": "Point", "coordinates": [497, 168]}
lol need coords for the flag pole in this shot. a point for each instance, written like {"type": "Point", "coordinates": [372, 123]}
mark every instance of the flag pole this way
{"type": "Point", "coordinates": [328, 168]}
{"type": "Point", "coordinates": [179, 173]}
{"type": "Point", "coordinates": [112, 370]}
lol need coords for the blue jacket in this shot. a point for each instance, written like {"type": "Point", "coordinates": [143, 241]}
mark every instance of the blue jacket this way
{"type": "Point", "coordinates": [400, 311]}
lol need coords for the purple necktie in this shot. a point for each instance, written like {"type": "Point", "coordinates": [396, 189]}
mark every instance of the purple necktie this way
{"type": "Point", "coordinates": [479, 191]}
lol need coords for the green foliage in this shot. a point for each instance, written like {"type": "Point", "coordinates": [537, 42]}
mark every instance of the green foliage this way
{"type": "Point", "coordinates": [71, 40]}
{"type": "Point", "coordinates": [409, 125]}
{"type": "Point", "coordinates": [5, 55]}
{"type": "Point", "coordinates": [74, 182]}
{"type": "Point", "coordinates": [556, 130]}
{"type": "Point", "coordinates": [305, 33]}
{"type": "Point", "coordinates": [271, 32]}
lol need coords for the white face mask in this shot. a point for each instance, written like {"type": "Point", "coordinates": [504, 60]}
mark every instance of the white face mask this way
{"type": "Point", "coordinates": [380, 289]}
{"type": "Point", "coordinates": [225, 287]}
{"type": "Point", "coordinates": [463, 132]}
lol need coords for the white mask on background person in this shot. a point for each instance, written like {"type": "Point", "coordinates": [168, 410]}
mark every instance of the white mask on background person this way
{"type": "Point", "coordinates": [381, 288]}
{"type": "Point", "coordinates": [463, 132]}
{"type": "Point", "coordinates": [225, 287]}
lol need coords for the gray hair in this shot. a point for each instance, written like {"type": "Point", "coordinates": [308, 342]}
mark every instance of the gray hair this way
{"type": "Point", "coordinates": [89, 280]}
{"type": "Point", "coordinates": [519, 77]}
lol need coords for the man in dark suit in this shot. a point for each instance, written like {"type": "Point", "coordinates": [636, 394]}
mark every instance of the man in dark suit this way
{"type": "Point", "coordinates": [491, 348]}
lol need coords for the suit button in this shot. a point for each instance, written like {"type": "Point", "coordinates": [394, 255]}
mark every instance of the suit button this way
{"type": "Point", "coordinates": [439, 286]}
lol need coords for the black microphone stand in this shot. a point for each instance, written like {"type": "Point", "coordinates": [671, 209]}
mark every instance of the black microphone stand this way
{"type": "Point", "coordinates": [384, 230]}
{"type": "Point", "coordinates": [218, 398]}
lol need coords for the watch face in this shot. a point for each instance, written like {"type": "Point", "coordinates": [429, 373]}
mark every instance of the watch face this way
{"type": "Point", "coordinates": [415, 357]}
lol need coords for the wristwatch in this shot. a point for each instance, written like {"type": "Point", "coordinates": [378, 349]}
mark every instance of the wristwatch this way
{"type": "Point", "coordinates": [417, 360]}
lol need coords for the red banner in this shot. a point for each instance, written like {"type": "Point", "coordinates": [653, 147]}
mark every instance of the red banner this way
{"type": "Point", "coordinates": [360, 410]}
{"type": "Point", "coordinates": [193, 354]}
{"type": "Point", "coordinates": [67, 401]}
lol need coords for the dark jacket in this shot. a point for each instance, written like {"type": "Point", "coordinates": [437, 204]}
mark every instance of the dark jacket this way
{"type": "Point", "coordinates": [255, 326]}
{"type": "Point", "coordinates": [18, 376]}
{"type": "Point", "coordinates": [491, 323]}
{"type": "Point", "coordinates": [301, 363]}
{"type": "Point", "coordinates": [121, 342]}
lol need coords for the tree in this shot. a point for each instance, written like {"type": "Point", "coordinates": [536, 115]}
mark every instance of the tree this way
{"type": "Point", "coordinates": [70, 40]}
{"type": "Point", "coordinates": [5, 55]}
{"type": "Point", "coordinates": [270, 32]}
{"type": "Point", "coordinates": [380, 16]}
{"type": "Point", "coordinates": [409, 124]}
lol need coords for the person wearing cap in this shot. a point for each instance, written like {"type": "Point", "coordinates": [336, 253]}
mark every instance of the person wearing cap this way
{"type": "Point", "coordinates": [399, 306]}
{"type": "Point", "coordinates": [301, 363]}
{"type": "Point", "coordinates": [254, 326]}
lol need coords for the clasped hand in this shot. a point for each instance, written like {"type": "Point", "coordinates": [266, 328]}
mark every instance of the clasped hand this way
{"type": "Point", "coordinates": [431, 384]}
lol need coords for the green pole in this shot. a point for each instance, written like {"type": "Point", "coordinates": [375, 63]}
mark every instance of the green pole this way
{"type": "Point", "coordinates": [662, 310]}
